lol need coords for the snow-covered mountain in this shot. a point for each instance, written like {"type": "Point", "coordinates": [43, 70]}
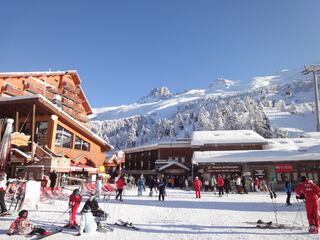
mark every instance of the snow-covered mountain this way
{"type": "Point", "coordinates": [274, 106]}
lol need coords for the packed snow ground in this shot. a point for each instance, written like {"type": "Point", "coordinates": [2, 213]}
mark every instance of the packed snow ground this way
{"type": "Point", "coordinates": [181, 216]}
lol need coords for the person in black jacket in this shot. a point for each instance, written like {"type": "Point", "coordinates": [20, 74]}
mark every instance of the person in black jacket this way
{"type": "Point", "coordinates": [161, 187]}
{"type": "Point", "coordinates": [93, 205]}
{"type": "Point", "coordinates": [53, 179]}
{"type": "Point", "coordinates": [152, 185]}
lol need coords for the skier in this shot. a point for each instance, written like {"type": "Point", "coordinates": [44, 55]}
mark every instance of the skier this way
{"type": "Point", "coordinates": [311, 192]}
{"type": "Point", "coordinates": [256, 184]}
{"type": "Point", "coordinates": [151, 186]}
{"type": "Point", "coordinates": [206, 185]}
{"type": "Point", "coordinates": [87, 222]}
{"type": "Point", "coordinates": [74, 203]}
{"type": "Point", "coordinates": [186, 184]}
{"type": "Point", "coordinates": [162, 188]}
{"type": "Point", "coordinates": [93, 205]}
{"type": "Point", "coordinates": [144, 182]}
{"type": "Point", "coordinates": [3, 187]}
{"type": "Point", "coordinates": [22, 226]}
{"type": "Point", "coordinates": [238, 184]}
{"type": "Point", "coordinates": [53, 179]}
{"type": "Point", "coordinates": [243, 183]}
{"type": "Point", "coordinates": [288, 190]}
{"type": "Point", "coordinates": [120, 185]}
{"type": "Point", "coordinates": [197, 184]}
{"type": "Point", "coordinates": [213, 184]}
{"type": "Point", "coordinates": [227, 185]}
{"type": "Point", "coordinates": [220, 184]}
{"type": "Point", "coordinates": [140, 186]}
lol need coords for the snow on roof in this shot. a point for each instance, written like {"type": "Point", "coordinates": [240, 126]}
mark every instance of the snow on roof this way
{"type": "Point", "coordinates": [287, 149]}
{"type": "Point", "coordinates": [170, 163]}
{"type": "Point", "coordinates": [176, 144]}
{"type": "Point", "coordinates": [226, 137]}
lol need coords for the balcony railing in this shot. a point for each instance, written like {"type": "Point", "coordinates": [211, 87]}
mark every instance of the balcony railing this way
{"type": "Point", "coordinates": [11, 90]}
{"type": "Point", "coordinates": [70, 87]}
{"type": "Point", "coordinates": [33, 89]}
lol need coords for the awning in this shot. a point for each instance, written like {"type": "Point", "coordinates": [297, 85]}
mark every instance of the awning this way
{"type": "Point", "coordinates": [83, 168]}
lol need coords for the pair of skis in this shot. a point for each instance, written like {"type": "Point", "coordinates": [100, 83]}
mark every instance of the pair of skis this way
{"type": "Point", "coordinates": [125, 224]}
{"type": "Point", "coordinates": [38, 237]}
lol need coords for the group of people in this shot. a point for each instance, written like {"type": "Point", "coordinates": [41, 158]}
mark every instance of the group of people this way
{"type": "Point", "coordinates": [91, 214]}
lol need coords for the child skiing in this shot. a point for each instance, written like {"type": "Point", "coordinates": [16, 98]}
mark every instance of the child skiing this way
{"type": "Point", "coordinates": [311, 192]}
{"type": "Point", "coordinates": [22, 226]}
{"type": "Point", "coordinates": [74, 203]}
{"type": "Point", "coordinates": [197, 184]}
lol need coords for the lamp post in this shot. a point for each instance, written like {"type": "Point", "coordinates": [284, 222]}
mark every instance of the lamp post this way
{"type": "Point", "coordinates": [314, 69]}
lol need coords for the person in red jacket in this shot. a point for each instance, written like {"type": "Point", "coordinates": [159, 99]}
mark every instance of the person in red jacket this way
{"type": "Point", "coordinates": [220, 185]}
{"type": "Point", "coordinates": [311, 192]}
{"type": "Point", "coordinates": [120, 185]}
{"type": "Point", "coordinates": [197, 184]}
{"type": "Point", "coordinates": [74, 203]}
{"type": "Point", "coordinates": [256, 184]}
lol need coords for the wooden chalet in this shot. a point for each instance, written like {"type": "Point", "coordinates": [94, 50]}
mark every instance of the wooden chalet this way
{"type": "Point", "coordinates": [52, 110]}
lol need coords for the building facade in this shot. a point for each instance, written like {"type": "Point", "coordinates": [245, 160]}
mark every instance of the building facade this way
{"type": "Point", "coordinates": [52, 110]}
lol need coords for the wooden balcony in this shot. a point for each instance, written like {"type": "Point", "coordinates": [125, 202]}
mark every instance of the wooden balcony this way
{"type": "Point", "coordinates": [70, 87]}
{"type": "Point", "coordinates": [11, 91]}
{"type": "Point", "coordinates": [34, 89]}
{"type": "Point", "coordinates": [67, 102]}
{"type": "Point", "coordinates": [81, 118]}
{"type": "Point", "coordinates": [68, 110]}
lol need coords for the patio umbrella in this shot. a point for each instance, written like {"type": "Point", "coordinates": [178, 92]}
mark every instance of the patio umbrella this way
{"type": "Point", "coordinates": [5, 145]}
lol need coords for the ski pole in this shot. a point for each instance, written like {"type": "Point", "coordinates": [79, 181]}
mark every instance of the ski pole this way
{"type": "Point", "coordinates": [60, 216]}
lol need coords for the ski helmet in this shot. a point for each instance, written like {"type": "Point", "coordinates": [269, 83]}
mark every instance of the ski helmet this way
{"type": "Point", "coordinates": [23, 213]}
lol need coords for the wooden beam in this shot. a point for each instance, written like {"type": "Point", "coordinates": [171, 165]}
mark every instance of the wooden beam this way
{"type": "Point", "coordinates": [16, 129]}
{"type": "Point", "coordinates": [33, 128]}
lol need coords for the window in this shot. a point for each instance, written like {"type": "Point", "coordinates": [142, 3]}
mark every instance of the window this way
{"type": "Point", "coordinates": [81, 144]}
{"type": "Point", "coordinates": [63, 138]}
{"type": "Point", "coordinates": [183, 159]}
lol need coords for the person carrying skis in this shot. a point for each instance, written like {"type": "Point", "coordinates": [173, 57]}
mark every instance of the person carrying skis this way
{"type": "Point", "coordinates": [220, 184]}
{"type": "Point", "coordinates": [74, 203]}
{"type": "Point", "coordinates": [288, 190]}
{"type": "Point", "coordinates": [311, 192]}
{"type": "Point", "coordinates": [22, 226]}
{"type": "Point", "coordinates": [120, 185]}
{"type": "Point", "coordinates": [197, 184]}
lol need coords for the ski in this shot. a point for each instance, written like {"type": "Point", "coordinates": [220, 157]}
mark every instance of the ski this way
{"type": "Point", "coordinates": [127, 224]}
{"type": "Point", "coordinates": [104, 228]}
{"type": "Point", "coordinates": [271, 225]}
{"type": "Point", "coordinates": [48, 235]}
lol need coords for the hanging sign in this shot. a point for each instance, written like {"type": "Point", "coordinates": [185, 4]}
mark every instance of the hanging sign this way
{"type": "Point", "coordinates": [283, 168]}
{"type": "Point", "coordinates": [19, 139]}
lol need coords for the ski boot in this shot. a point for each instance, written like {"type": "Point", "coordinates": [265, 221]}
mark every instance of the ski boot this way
{"type": "Point", "coordinates": [313, 229]}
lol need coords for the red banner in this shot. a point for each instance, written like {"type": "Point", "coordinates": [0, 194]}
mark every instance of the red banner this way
{"type": "Point", "coordinates": [283, 168]}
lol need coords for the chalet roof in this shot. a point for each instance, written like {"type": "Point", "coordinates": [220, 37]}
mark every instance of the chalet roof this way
{"type": "Point", "coordinates": [175, 144]}
{"type": "Point", "coordinates": [50, 107]}
{"type": "Point", "coordinates": [52, 73]}
{"type": "Point", "coordinates": [226, 137]}
{"type": "Point", "coordinates": [171, 163]}
{"type": "Point", "coordinates": [278, 150]}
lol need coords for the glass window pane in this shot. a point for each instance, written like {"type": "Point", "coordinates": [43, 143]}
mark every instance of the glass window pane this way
{"type": "Point", "coordinates": [78, 143]}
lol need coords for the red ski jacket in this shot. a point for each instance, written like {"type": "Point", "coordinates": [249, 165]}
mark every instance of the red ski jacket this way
{"type": "Point", "coordinates": [197, 184]}
{"type": "Point", "coordinates": [310, 190]}
{"type": "Point", "coordinates": [74, 200]}
{"type": "Point", "coordinates": [120, 183]}
{"type": "Point", "coordinates": [220, 181]}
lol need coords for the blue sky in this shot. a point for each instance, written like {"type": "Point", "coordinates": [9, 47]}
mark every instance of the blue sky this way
{"type": "Point", "coordinates": [122, 49]}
